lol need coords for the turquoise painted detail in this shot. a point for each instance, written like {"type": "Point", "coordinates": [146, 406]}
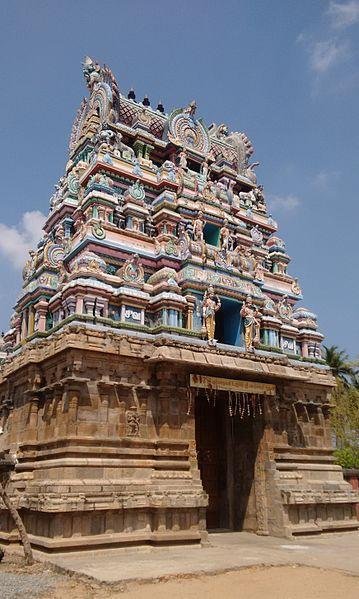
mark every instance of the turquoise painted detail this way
{"type": "Point", "coordinates": [229, 325]}
{"type": "Point", "coordinates": [211, 234]}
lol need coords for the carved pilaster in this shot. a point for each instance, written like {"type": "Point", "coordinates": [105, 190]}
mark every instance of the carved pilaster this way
{"type": "Point", "coordinates": [72, 401]}
{"type": "Point", "coordinates": [260, 483]}
{"type": "Point", "coordinates": [32, 432]}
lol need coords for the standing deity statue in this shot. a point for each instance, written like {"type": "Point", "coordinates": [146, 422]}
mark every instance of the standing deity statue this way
{"type": "Point", "coordinates": [225, 239]}
{"type": "Point", "coordinates": [198, 226]}
{"type": "Point", "coordinates": [211, 305]}
{"type": "Point", "coordinates": [183, 159]}
{"type": "Point", "coordinates": [251, 316]}
{"type": "Point", "coordinates": [230, 190]}
{"type": "Point", "coordinates": [258, 270]}
{"type": "Point", "coordinates": [205, 168]}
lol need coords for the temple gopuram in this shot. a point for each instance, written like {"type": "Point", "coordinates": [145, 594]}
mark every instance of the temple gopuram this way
{"type": "Point", "coordinates": [158, 379]}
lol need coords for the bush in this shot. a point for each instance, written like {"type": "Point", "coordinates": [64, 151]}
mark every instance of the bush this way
{"type": "Point", "coordinates": [347, 457]}
{"type": "Point", "coordinates": [345, 416]}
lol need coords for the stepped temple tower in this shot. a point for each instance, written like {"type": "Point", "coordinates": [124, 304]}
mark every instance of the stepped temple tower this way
{"type": "Point", "coordinates": [158, 378]}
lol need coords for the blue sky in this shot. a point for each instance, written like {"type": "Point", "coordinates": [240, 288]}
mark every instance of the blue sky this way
{"type": "Point", "coordinates": [283, 71]}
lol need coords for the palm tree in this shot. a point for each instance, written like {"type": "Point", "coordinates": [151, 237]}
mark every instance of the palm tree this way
{"type": "Point", "coordinates": [344, 370]}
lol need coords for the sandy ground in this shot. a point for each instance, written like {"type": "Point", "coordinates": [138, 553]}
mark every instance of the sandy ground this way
{"type": "Point", "coordinates": [286, 582]}
{"type": "Point", "coordinates": [44, 581]}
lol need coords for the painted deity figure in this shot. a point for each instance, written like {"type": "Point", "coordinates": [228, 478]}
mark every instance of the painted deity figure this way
{"type": "Point", "coordinates": [80, 226]}
{"type": "Point", "coordinates": [225, 238]}
{"type": "Point", "coordinates": [209, 192]}
{"type": "Point", "coordinates": [137, 168]}
{"type": "Point", "coordinates": [222, 131]}
{"type": "Point", "coordinates": [198, 227]}
{"type": "Point", "coordinates": [230, 190]}
{"type": "Point", "coordinates": [285, 309]}
{"type": "Point", "coordinates": [63, 273]}
{"type": "Point", "coordinates": [251, 320]}
{"type": "Point", "coordinates": [30, 265]}
{"type": "Point", "coordinates": [183, 159]}
{"type": "Point", "coordinates": [205, 168]}
{"type": "Point", "coordinates": [190, 109]}
{"type": "Point", "coordinates": [258, 270]}
{"type": "Point", "coordinates": [296, 287]}
{"type": "Point", "coordinates": [261, 203]}
{"type": "Point", "coordinates": [211, 305]}
{"type": "Point", "coordinates": [132, 270]}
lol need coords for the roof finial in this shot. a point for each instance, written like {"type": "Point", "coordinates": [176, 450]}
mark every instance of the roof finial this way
{"type": "Point", "coordinates": [160, 107]}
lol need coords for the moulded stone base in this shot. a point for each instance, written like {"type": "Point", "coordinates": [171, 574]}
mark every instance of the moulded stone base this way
{"type": "Point", "coordinates": [74, 530]}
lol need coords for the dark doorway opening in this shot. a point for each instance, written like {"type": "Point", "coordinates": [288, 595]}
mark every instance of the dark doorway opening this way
{"type": "Point", "coordinates": [212, 459]}
{"type": "Point", "coordinates": [229, 323]}
{"type": "Point", "coordinates": [227, 448]}
{"type": "Point", "coordinates": [211, 234]}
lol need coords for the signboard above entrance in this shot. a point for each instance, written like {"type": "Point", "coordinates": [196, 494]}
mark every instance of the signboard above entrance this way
{"type": "Point", "coordinates": [212, 382]}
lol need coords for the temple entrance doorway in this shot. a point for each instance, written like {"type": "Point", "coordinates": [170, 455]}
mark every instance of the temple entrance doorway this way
{"type": "Point", "coordinates": [228, 323]}
{"type": "Point", "coordinates": [227, 450]}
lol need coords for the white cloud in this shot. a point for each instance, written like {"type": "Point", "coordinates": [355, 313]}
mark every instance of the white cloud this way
{"type": "Point", "coordinates": [343, 14]}
{"type": "Point", "coordinates": [323, 179]}
{"type": "Point", "coordinates": [326, 54]}
{"type": "Point", "coordinates": [15, 242]}
{"type": "Point", "coordinates": [287, 203]}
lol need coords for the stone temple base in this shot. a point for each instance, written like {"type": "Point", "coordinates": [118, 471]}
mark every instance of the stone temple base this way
{"type": "Point", "coordinates": [108, 492]}
{"type": "Point", "coordinates": [112, 450]}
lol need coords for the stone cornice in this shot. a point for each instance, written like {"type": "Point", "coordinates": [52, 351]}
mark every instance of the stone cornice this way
{"type": "Point", "coordinates": [165, 349]}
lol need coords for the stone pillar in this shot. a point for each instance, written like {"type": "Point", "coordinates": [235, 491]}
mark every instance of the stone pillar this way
{"type": "Point", "coordinates": [79, 304]}
{"type": "Point", "coordinates": [68, 224]}
{"type": "Point", "coordinates": [72, 404]}
{"type": "Point", "coordinates": [31, 321]}
{"type": "Point", "coordinates": [161, 520]}
{"type": "Point", "coordinates": [3, 413]}
{"type": "Point", "coordinates": [260, 493]}
{"type": "Point", "coordinates": [191, 303]}
{"type": "Point", "coordinates": [18, 330]}
{"type": "Point", "coordinates": [71, 305]}
{"type": "Point", "coordinates": [105, 308]}
{"type": "Point", "coordinates": [89, 304]}
{"type": "Point", "coordinates": [24, 325]}
{"type": "Point", "coordinates": [33, 415]}
{"type": "Point", "coordinates": [102, 427]}
{"type": "Point", "coordinates": [123, 310]}
{"type": "Point", "coordinates": [139, 148]}
{"type": "Point", "coordinates": [147, 151]}
{"type": "Point", "coordinates": [41, 310]}
{"type": "Point", "coordinates": [56, 415]}
{"type": "Point", "coordinates": [305, 349]}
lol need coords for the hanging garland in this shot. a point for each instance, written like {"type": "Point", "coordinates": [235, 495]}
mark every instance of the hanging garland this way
{"type": "Point", "coordinates": [245, 405]}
